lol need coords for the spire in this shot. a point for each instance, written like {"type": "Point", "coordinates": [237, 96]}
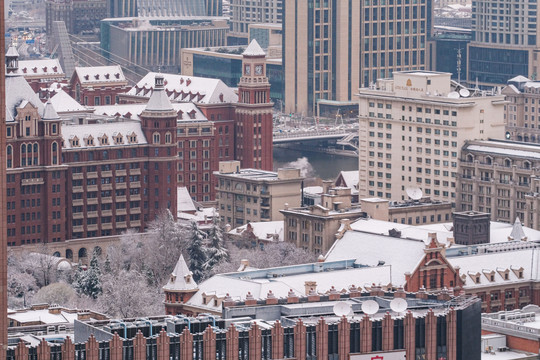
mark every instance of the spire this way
{"type": "Point", "coordinates": [159, 101]}
{"type": "Point", "coordinates": [517, 231]}
{"type": "Point", "coordinates": [49, 113]}
{"type": "Point", "coordinates": [254, 49]}
{"type": "Point", "coordinates": [181, 278]}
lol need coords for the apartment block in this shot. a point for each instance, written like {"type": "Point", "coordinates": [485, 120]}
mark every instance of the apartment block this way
{"type": "Point", "coordinates": [412, 128]}
{"type": "Point", "coordinates": [501, 178]}
{"type": "Point", "coordinates": [505, 41]}
{"type": "Point", "coordinates": [251, 195]}
{"type": "Point", "coordinates": [333, 48]}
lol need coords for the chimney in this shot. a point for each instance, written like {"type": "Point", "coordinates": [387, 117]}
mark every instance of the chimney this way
{"type": "Point", "coordinates": [310, 286]}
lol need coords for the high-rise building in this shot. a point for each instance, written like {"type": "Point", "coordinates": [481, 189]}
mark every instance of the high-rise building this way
{"type": "Point", "coordinates": [131, 8]}
{"type": "Point", "coordinates": [245, 12]}
{"type": "Point", "coordinates": [412, 128]}
{"type": "Point", "coordinates": [79, 15]}
{"type": "Point", "coordinates": [505, 42]}
{"type": "Point", "coordinates": [332, 48]}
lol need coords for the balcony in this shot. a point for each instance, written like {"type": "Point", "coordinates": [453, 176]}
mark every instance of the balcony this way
{"type": "Point", "coordinates": [77, 189]}
{"type": "Point", "coordinates": [106, 213]}
{"type": "Point", "coordinates": [121, 212]}
{"type": "Point", "coordinates": [92, 214]}
{"type": "Point", "coordinates": [135, 184]}
{"type": "Point", "coordinates": [121, 198]}
{"type": "Point", "coordinates": [121, 185]}
{"type": "Point", "coordinates": [78, 202]}
{"type": "Point", "coordinates": [136, 223]}
{"type": "Point", "coordinates": [121, 225]}
{"type": "Point", "coordinates": [77, 176]}
{"type": "Point", "coordinates": [92, 188]}
{"type": "Point", "coordinates": [106, 226]}
{"type": "Point", "coordinates": [121, 173]}
{"type": "Point", "coordinates": [135, 210]}
{"type": "Point", "coordinates": [106, 174]}
{"type": "Point", "coordinates": [92, 227]}
{"type": "Point", "coordinates": [92, 175]}
{"type": "Point", "coordinates": [106, 200]}
{"type": "Point", "coordinates": [78, 228]}
{"type": "Point", "coordinates": [136, 197]}
{"type": "Point", "coordinates": [78, 215]}
{"type": "Point", "coordinates": [106, 186]}
{"type": "Point", "coordinates": [92, 201]}
{"type": "Point", "coordinates": [135, 172]}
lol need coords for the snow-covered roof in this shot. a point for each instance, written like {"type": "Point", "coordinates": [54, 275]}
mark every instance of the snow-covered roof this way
{"type": "Point", "coordinates": [517, 231]}
{"type": "Point", "coordinates": [403, 254]}
{"type": "Point", "coordinates": [12, 51]}
{"type": "Point", "coordinates": [43, 316]}
{"type": "Point", "coordinates": [237, 285]}
{"type": "Point", "coordinates": [111, 130]}
{"type": "Point", "coordinates": [158, 100]}
{"type": "Point", "coordinates": [521, 150]}
{"type": "Point", "coordinates": [40, 67]}
{"type": "Point", "coordinates": [313, 190]}
{"type": "Point", "coordinates": [532, 84]}
{"type": "Point", "coordinates": [519, 78]}
{"type": "Point", "coordinates": [499, 231]}
{"type": "Point", "coordinates": [19, 92]}
{"type": "Point", "coordinates": [266, 231]}
{"type": "Point", "coordinates": [181, 88]}
{"type": "Point", "coordinates": [62, 103]}
{"type": "Point", "coordinates": [184, 200]}
{"type": "Point", "coordinates": [181, 277]}
{"type": "Point", "coordinates": [100, 74]}
{"type": "Point", "coordinates": [132, 111]}
{"type": "Point", "coordinates": [499, 264]}
{"type": "Point", "coordinates": [254, 49]}
{"type": "Point", "coordinates": [49, 113]}
{"type": "Point", "coordinates": [350, 178]}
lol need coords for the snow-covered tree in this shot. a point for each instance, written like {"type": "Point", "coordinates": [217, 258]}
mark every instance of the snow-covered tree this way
{"type": "Point", "coordinates": [127, 294]}
{"type": "Point", "coordinates": [217, 252]}
{"type": "Point", "coordinates": [58, 293]}
{"type": "Point", "coordinates": [88, 282]}
{"type": "Point", "coordinates": [197, 252]}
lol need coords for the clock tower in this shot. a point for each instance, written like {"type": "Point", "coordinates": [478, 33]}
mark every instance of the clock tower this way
{"type": "Point", "coordinates": [253, 120]}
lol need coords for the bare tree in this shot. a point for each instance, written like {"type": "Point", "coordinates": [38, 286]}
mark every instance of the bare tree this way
{"type": "Point", "coordinates": [58, 293]}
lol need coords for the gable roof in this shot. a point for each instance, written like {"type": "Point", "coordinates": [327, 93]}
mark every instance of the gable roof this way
{"type": "Point", "coordinates": [18, 90]}
{"type": "Point", "coordinates": [63, 102]}
{"type": "Point", "coordinates": [100, 74]}
{"type": "Point", "coordinates": [181, 88]}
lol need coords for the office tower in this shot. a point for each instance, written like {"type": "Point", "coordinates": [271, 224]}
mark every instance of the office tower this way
{"type": "Point", "coordinates": [412, 128]}
{"type": "Point", "coordinates": [505, 41]}
{"type": "Point", "coordinates": [333, 48]}
{"type": "Point", "coordinates": [245, 12]}
{"type": "Point", "coordinates": [214, 7]}
{"type": "Point", "coordinates": [130, 8]}
{"type": "Point", "coordinates": [80, 16]}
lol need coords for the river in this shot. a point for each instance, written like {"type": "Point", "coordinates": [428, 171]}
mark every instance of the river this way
{"type": "Point", "coordinates": [314, 164]}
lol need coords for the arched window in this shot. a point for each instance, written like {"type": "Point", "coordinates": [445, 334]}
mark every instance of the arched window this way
{"type": "Point", "coordinates": [35, 148]}
{"type": "Point", "coordinates": [23, 149]}
{"type": "Point", "coordinates": [54, 146]}
{"type": "Point", "coordinates": [29, 148]}
{"type": "Point", "coordinates": [156, 138]}
{"type": "Point", "coordinates": [9, 149]}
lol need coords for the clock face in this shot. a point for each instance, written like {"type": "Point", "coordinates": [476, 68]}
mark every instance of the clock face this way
{"type": "Point", "coordinates": [247, 69]}
{"type": "Point", "coordinates": [258, 69]}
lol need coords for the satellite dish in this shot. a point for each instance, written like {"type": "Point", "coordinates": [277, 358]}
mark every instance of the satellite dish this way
{"type": "Point", "coordinates": [464, 93]}
{"type": "Point", "coordinates": [342, 309]}
{"type": "Point", "coordinates": [414, 193]}
{"type": "Point", "coordinates": [398, 305]}
{"type": "Point", "coordinates": [370, 307]}
{"type": "Point", "coordinates": [453, 95]}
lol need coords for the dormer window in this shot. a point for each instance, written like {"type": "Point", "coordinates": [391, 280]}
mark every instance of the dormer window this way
{"type": "Point", "coordinates": [86, 77]}
{"type": "Point", "coordinates": [118, 139]}
{"type": "Point", "coordinates": [89, 141]}
{"type": "Point", "coordinates": [107, 76]}
{"type": "Point", "coordinates": [104, 140]}
{"type": "Point", "coordinates": [477, 279]}
{"type": "Point", "coordinates": [74, 141]}
{"type": "Point", "coordinates": [132, 138]}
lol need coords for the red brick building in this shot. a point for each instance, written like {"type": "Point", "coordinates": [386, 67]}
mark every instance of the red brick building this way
{"type": "Point", "coordinates": [253, 125]}
{"type": "Point", "coordinates": [85, 180]}
{"type": "Point", "coordinates": [97, 85]}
